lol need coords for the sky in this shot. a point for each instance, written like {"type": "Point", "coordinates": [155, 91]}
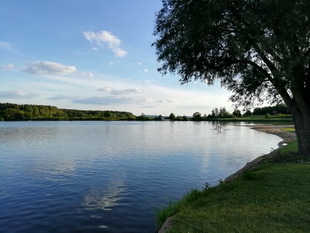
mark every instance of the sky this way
{"type": "Point", "coordinates": [92, 55]}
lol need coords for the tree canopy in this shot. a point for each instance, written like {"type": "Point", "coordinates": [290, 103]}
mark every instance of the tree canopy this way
{"type": "Point", "coordinates": [258, 49]}
{"type": "Point", "coordinates": [16, 112]}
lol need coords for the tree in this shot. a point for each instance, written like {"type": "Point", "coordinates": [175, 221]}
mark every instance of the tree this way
{"type": "Point", "coordinates": [223, 112]}
{"type": "Point", "coordinates": [197, 116]}
{"type": "Point", "coordinates": [184, 118]}
{"type": "Point", "coordinates": [259, 50]}
{"type": "Point", "coordinates": [172, 117]}
{"type": "Point", "coordinates": [247, 113]}
{"type": "Point", "coordinates": [215, 112]}
{"type": "Point", "coordinates": [237, 113]}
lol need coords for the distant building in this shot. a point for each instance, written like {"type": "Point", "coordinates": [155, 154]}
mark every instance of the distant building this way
{"type": "Point", "coordinates": [165, 118]}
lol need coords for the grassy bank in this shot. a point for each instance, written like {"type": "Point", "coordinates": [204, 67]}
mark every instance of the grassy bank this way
{"type": "Point", "coordinates": [273, 197]}
{"type": "Point", "coordinates": [257, 118]}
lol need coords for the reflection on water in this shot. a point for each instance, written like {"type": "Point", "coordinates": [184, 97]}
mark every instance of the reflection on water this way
{"type": "Point", "coordinates": [104, 199]}
{"type": "Point", "coordinates": [111, 176]}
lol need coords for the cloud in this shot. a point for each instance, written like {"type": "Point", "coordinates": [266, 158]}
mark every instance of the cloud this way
{"type": "Point", "coordinates": [149, 106]}
{"type": "Point", "coordinates": [16, 95]}
{"type": "Point", "coordinates": [88, 74]}
{"type": "Point", "coordinates": [168, 101]}
{"type": "Point", "coordinates": [107, 38]}
{"type": "Point", "coordinates": [104, 100]}
{"type": "Point", "coordinates": [5, 45]}
{"type": "Point", "coordinates": [121, 91]}
{"type": "Point", "coordinates": [7, 67]}
{"type": "Point", "coordinates": [113, 100]}
{"type": "Point", "coordinates": [146, 70]}
{"type": "Point", "coordinates": [61, 97]}
{"type": "Point", "coordinates": [119, 52]}
{"type": "Point", "coordinates": [49, 68]}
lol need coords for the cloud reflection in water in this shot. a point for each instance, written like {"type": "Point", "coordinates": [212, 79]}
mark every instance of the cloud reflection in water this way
{"type": "Point", "coordinates": [104, 199]}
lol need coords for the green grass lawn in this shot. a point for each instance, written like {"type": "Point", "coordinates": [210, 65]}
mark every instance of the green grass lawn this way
{"type": "Point", "coordinates": [274, 197]}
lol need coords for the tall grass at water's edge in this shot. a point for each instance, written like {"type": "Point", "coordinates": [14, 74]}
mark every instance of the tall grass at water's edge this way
{"type": "Point", "coordinates": [273, 197]}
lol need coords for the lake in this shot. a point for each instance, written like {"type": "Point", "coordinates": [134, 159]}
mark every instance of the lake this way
{"type": "Point", "coordinates": [112, 176]}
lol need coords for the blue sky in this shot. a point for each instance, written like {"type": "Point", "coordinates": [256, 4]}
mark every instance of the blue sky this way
{"type": "Point", "coordinates": [92, 54]}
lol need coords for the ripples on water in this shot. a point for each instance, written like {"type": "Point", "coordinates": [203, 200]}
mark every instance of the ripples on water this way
{"type": "Point", "coordinates": [111, 176]}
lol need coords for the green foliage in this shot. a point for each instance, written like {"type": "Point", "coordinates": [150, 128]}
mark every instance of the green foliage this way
{"type": "Point", "coordinates": [251, 46]}
{"type": "Point", "coordinates": [142, 117]}
{"type": "Point", "coordinates": [184, 118]}
{"type": "Point", "coordinates": [258, 50]}
{"type": "Point", "coordinates": [220, 113]}
{"type": "Point", "coordinates": [272, 110]}
{"type": "Point", "coordinates": [164, 213]}
{"type": "Point", "coordinates": [197, 116]}
{"type": "Point", "coordinates": [237, 113]}
{"type": "Point", "coordinates": [181, 118]}
{"type": "Point", "coordinates": [288, 154]}
{"type": "Point", "coordinates": [15, 112]}
{"type": "Point", "coordinates": [158, 118]}
{"type": "Point", "coordinates": [172, 117]}
{"type": "Point", "coordinates": [247, 113]}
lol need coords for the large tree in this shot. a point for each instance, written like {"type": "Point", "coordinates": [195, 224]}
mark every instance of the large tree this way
{"type": "Point", "coordinates": [258, 49]}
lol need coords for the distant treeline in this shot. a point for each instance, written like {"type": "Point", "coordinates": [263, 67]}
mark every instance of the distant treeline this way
{"type": "Point", "coordinates": [16, 112]}
{"type": "Point", "coordinates": [277, 109]}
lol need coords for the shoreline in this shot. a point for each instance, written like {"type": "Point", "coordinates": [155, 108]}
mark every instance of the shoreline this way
{"type": "Point", "coordinates": [270, 129]}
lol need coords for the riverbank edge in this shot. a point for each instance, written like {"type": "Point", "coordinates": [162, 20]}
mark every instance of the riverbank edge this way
{"type": "Point", "coordinates": [270, 129]}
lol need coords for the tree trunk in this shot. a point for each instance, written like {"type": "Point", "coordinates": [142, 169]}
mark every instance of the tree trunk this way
{"type": "Point", "coordinates": [302, 126]}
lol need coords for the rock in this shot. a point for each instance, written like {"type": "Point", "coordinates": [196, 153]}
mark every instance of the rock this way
{"type": "Point", "coordinates": [166, 225]}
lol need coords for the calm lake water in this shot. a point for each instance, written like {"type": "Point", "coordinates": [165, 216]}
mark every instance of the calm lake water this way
{"type": "Point", "coordinates": [111, 176]}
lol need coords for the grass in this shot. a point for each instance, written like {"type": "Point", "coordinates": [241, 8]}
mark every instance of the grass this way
{"type": "Point", "coordinates": [288, 129]}
{"type": "Point", "coordinates": [274, 197]}
{"type": "Point", "coordinates": [256, 118]}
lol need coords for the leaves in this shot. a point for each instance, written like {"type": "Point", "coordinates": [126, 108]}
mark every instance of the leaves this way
{"type": "Point", "coordinates": [260, 50]}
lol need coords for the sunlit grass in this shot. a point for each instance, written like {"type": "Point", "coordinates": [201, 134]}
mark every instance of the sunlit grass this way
{"type": "Point", "coordinates": [288, 129]}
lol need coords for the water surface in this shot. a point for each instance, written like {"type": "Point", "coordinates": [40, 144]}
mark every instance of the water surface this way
{"type": "Point", "coordinates": [112, 176]}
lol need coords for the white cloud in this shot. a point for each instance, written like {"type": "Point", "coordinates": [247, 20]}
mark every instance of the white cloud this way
{"type": "Point", "coordinates": [107, 38]}
{"type": "Point", "coordinates": [103, 100]}
{"type": "Point", "coordinates": [61, 97]}
{"type": "Point", "coordinates": [108, 89]}
{"type": "Point", "coordinates": [88, 74]}
{"type": "Point", "coordinates": [168, 101]}
{"type": "Point", "coordinates": [7, 67]}
{"type": "Point", "coordinates": [16, 95]}
{"type": "Point", "coordinates": [146, 70]}
{"type": "Point", "coordinates": [6, 45]}
{"type": "Point", "coordinates": [119, 52]}
{"type": "Point", "coordinates": [47, 67]}
{"type": "Point", "coordinates": [121, 91]}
